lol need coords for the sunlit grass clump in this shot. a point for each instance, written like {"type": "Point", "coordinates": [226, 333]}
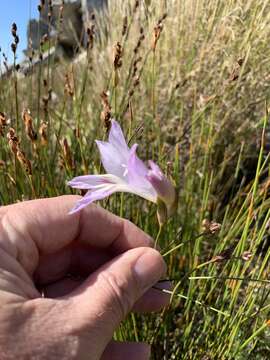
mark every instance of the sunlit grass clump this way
{"type": "Point", "coordinates": [189, 81]}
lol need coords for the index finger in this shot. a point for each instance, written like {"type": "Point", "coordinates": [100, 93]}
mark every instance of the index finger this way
{"type": "Point", "coordinates": [47, 224]}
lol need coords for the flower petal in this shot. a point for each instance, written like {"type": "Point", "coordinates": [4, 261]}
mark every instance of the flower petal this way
{"type": "Point", "coordinates": [162, 185]}
{"type": "Point", "coordinates": [156, 169]}
{"type": "Point", "coordinates": [92, 181]}
{"type": "Point", "coordinates": [114, 161]}
{"type": "Point", "coordinates": [117, 139]}
{"type": "Point", "coordinates": [98, 192]}
{"type": "Point", "coordinates": [137, 172]}
{"type": "Point", "coordinates": [92, 196]}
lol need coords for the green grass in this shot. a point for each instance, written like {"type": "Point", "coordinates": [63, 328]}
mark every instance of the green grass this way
{"type": "Point", "coordinates": [198, 106]}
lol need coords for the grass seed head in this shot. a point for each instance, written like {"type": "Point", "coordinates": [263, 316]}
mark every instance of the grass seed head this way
{"type": "Point", "coordinates": [118, 54]}
{"type": "Point", "coordinates": [136, 5]}
{"type": "Point", "coordinates": [43, 133]}
{"type": "Point", "coordinates": [156, 35]}
{"type": "Point", "coordinates": [14, 47]}
{"type": "Point", "coordinates": [139, 41]}
{"type": "Point", "coordinates": [28, 125]}
{"type": "Point", "coordinates": [125, 25]}
{"type": "Point", "coordinates": [14, 30]}
{"type": "Point", "coordinates": [25, 163]}
{"type": "Point", "coordinates": [210, 227]}
{"type": "Point", "coordinates": [13, 141]}
{"type": "Point", "coordinates": [67, 154]}
{"type": "Point", "coordinates": [69, 84]}
{"type": "Point", "coordinates": [235, 71]}
{"type": "Point", "coordinates": [106, 114]}
{"type": "Point", "coordinates": [3, 123]}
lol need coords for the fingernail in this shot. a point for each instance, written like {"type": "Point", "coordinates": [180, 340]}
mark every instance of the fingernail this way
{"type": "Point", "coordinates": [149, 268]}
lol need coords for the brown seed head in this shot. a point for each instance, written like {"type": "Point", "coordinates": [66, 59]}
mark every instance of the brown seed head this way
{"type": "Point", "coordinates": [13, 145]}
{"type": "Point", "coordinates": [125, 24]}
{"type": "Point", "coordinates": [24, 161]}
{"type": "Point", "coordinates": [90, 36]}
{"type": "Point", "coordinates": [14, 29]}
{"type": "Point", "coordinates": [156, 35]}
{"type": "Point", "coordinates": [235, 71]}
{"type": "Point", "coordinates": [3, 123]}
{"type": "Point", "coordinates": [163, 17]}
{"type": "Point", "coordinates": [136, 82]}
{"type": "Point", "coordinates": [43, 133]}
{"type": "Point", "coordinates": [13, 141]}
{"type": "Point", "coordinates": [3, 119]}
{"type": "Point", "coordinates": [136, 5]}
{"type": "Point", "coordinates": [139, 42]}
{"type": "Point", "coordinates": [210, 227]}
{"type": "Point", "coordinates": [13, 47]}
{"type": "Point", "coordinates": [11, 134]}
{"type": "Point", "coordinates": [69, 84]}
{"type": "Point", "coordinates": [118, 54]}
{"type": "Point", "coordinates": [28, 125]}
{"type": "Point", "coordinates": [214, 227]}
{"type": "Point", "coordinates": [106, 113]}
{"type": "Point", "coordinates": [67, 154]}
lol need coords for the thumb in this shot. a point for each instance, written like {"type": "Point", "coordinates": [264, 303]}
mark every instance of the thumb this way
{"type": "Point", "coordinates": [111, 292]}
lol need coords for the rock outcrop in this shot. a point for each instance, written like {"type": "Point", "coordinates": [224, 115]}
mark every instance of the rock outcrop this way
{"type": "Point", "coordinates": [71, 33]}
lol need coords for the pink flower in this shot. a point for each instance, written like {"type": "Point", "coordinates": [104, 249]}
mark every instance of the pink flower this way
{"type": "Point", "coordinates": [125, 173]}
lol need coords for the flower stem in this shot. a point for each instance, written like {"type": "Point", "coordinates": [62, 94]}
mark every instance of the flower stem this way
{"type": "Point", "coordinates": [121, 205]}
{"type": "Point", "coordinates": [158, 235]}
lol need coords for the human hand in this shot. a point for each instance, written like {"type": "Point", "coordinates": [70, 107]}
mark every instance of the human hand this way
{"type": "Point", "coordinates": [92, 269]}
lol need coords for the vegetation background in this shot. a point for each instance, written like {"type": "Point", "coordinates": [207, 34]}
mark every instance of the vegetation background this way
{"type": "Point", "coordinates": [189, 81]}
